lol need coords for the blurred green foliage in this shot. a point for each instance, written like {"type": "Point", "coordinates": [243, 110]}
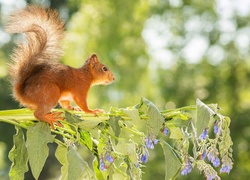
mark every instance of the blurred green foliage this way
{"type": "Point", "coordinates": [170, 51]}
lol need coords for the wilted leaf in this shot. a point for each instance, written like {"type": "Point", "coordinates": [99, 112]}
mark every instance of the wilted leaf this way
{"type": "Point", "coordinates": [38, 136]}
{"type": "Point", "coordinates": [172, 163]}
{"type": "Point", "coordinates": [18, 156]}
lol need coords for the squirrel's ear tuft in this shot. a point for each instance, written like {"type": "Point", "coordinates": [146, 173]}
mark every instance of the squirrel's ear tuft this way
{"type": "Point", "coordinates": [93, 58]}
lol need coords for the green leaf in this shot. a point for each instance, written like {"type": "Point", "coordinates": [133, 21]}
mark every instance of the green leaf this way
{"type": "Point", "coordinates": [38, 136]}
{"type": "Point", "coordinates": [72, 118]}
{"type": "Point", "coordinates": [18, 156]}
{"type": "Point", "coordinates": [77, 168]}
{"type": "Point", "coordinates": [113, 122]}
{"type": "Point", "coordinates": [101, 175]}
{"type": "Point", "coordinates": [177, 121]}
{"type": "Point", "coordinates": [204, 114]}
{"type": "Point", "coordinates": [73, 166]}
{"type": "Point", "coordinates": [128, 149]}
{"type": "Point", "coordinates": [185, 116]}
{"type": "Point", "coordinates": [133, 114]}
{"type": "Point", "coordinates": [172, 163]}
{"type": "Point", "coordinates": [175, 133]}
{"type": "Point", "coordinates": [155, 120]}
{"type": "Point", "coordinates": [118, 175]}
{"type": "Point", "coordinates": [61, 155]}
{"type": "Point", "coordinates": [142, 107]}
{"type": "Point", "coordinates": [86, 139]}
{"type": "Point", "coordinates": [89, 124]}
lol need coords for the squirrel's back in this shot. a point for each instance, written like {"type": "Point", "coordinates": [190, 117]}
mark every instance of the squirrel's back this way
{"type": "Point", "coordinates": [42, 45]}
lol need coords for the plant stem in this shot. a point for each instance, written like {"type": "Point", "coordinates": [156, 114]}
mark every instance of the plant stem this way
{"type": "Point", "coordinates": [13, 122]}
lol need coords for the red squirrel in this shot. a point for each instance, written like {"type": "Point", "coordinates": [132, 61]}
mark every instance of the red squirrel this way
{"type": "Point", "coordinates": [39, 80]}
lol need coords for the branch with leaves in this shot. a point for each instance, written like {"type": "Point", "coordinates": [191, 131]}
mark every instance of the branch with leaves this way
{"type": "Point", "coordinates": [121, 141]}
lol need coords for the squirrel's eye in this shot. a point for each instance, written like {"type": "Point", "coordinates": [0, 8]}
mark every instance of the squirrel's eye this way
{"type": "Point", "coordinates": [104, 68]}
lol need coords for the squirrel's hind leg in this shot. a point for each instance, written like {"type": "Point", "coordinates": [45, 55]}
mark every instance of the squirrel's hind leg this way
{"type": "Point", "coordinates": [46, 104]}
{"type": "Point", "coordinates": [45, 114]}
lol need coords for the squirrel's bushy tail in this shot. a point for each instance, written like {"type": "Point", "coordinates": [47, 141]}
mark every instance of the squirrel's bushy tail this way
{"type": "Point", "coordinates": [44, 32]}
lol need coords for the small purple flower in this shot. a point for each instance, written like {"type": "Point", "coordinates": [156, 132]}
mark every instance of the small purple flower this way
{"type": "Point", "coordinates": [204, 135]}
{"type": "Point", "coordinates": [137, 165]}
{"type": "Point", "coordinates": [165, 131]}
{"type": "Point", "coordinates": [109, 158]}
{"type": "Point", "coordinates": [187, 169]}
{"type": "Point", "coordinates": [213, 158]}
{"type": "Point", "coordinates": [156, 141]}
{"type": "Point", "coordinates": [216, 128]}
{"type": "Point", "coordinates": [102, 165]}
{"type": "Point", "coordinates": [226, 167]}
{"type": "Point", "coordinates": [216, 162]}
{"type": "Point", "coordinates": [144, 158]}
{"type": "Point", "coordinates": [144, 155]}
{"type": "Point", "coordinates": [210, 177]}
{"type": "Point", "coordinates": [149, 143]}
{"type": "Point", "coordinates": [203, 156]}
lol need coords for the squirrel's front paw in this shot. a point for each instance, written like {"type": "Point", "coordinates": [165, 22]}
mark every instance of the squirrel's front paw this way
{"type": "Point", "coordinates": [98, 111]}
{"type": "Point", "coordinates": [95, 111]}
{"type": "Point", "coordinates": [76, 108]}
